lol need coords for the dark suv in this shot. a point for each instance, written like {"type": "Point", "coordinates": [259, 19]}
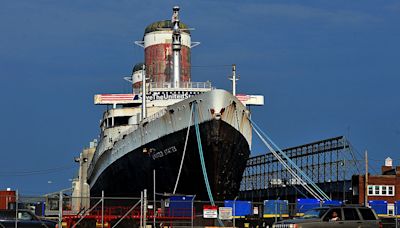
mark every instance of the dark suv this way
{"type": "Point", "coordinates": [26, 219]}
{"type": "Point", "coordinates": [345, 216]}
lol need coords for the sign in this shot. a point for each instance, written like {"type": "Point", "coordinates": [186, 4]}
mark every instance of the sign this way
{"type": "Point", "coordinates": [171, 95]}
{"type": "Point", "coordinates": [255, 210]}
{"type": "Point", "coordinates": [115, 98]}
{"type": "Point", "coordinates": [225, 213]}
{"type": "Point", "coordinates": [104, 99]}
{"type": "Point", "coordinates": [166, 95]}
{"type": "Point", "coordinates": [251, 99]}
{"type": "Point", "coordinates": [210, 211]}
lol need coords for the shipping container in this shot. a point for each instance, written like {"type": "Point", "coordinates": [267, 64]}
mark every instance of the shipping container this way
{"type": "Point", "coordinates": [7, 199]}
{"type": "Point", "coordinates": [333, 203]}
{"type": "Point", "coordinates": [180, 206]}
{"type": "Point", "coordinates": [240, 208]}
{"type": "Point", "coordinates": [379, 206]}
{"type": "Point", "coordinates": [276, 208]}
{"type": "Point", "coordinates": [304, 205]}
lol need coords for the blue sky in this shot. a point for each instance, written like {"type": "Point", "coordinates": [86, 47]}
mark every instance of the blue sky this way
{"type": "Point", "coordinates": [326, 68]}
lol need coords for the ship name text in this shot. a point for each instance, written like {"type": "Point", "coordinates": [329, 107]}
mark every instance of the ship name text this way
{"type": "Point", "coordinates": [162, 153]}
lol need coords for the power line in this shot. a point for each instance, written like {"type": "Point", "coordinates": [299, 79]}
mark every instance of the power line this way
{"type": "Point", "coordinates": [37, 172]}
{"type": "Point", "coordinates": [212, 65]}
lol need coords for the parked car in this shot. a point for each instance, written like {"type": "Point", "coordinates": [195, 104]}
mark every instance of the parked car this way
{"type": "Point", "coordinates": [341, 216]}
{"type": "Point", "coordinates": [26, 219]}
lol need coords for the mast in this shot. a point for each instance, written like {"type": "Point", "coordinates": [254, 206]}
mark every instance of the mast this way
{"type": "Point", "coordinates": [144, 109]}
{"type": "Point", "coordinates": [176, 47]}
{"type": "Point", "coordinates": [234, 79]}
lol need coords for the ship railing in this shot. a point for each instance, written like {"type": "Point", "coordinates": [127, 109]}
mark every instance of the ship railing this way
{"type": "Point", "coordinates": [184, 85]}
{"type": "Point", "coordinates": [156, 115]}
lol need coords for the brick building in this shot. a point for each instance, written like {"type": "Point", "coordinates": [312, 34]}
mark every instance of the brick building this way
{"type": "Point", "coordinates": [383, 187]}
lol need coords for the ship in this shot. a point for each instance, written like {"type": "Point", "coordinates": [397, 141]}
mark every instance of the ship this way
{"type": "Point", "coordinates": [181, 135]}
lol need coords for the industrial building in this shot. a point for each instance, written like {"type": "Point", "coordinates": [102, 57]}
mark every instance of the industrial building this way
{"type": "Point", "coordinates": [383, 190]}
{"type": "Point", "coordinates": [330, 163]}
{"type": "Point", "coordinates": [334, 166]}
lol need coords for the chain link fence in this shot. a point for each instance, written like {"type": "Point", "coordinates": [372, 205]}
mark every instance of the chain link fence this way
{"type": "Point", "coordinates": [59, 210]}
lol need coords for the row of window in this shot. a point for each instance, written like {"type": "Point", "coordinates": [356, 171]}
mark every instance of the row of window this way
{"type": "Point", "coordinates": [380, 190]}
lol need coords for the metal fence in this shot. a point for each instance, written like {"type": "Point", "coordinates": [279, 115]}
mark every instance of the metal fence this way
{"type": "Point", "coordinates": [167, 211]}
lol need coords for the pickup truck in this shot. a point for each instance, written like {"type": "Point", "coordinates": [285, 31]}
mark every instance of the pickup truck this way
{"type": "Point", "coordinates": [342, 216]}
{"type": "Point", "coordinates": [26, 219]}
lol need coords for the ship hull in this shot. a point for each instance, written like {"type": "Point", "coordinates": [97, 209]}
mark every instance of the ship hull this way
{"type": "Point", "coordinates": [225, 151]}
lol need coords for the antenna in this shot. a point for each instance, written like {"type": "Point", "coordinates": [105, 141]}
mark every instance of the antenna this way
{"type": "Point", "coordinates": [234, 79]}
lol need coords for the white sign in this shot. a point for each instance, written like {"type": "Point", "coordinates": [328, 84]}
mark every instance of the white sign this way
{"type": "Point", "coordinates": [102, 99]}
{"type": "Point", "coordinates": [255, 210]}
{"type": "Point", "coordinates": [171, 95]}
{"type": "Point", "coordinates": [251, 99]}
{"type": "Point", "coordinates": [210, 211]}
{"type": "Point", "coordinates": [225, 213]}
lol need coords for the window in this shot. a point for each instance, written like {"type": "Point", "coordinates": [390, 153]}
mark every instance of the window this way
{"type": "Point", "coordinates": [350, 214]}
{"type": "Point", "coordinates": [376, 190]}
{"type": "Point", "coordinates": [330, 215]}
{"type": "Point", "coordinates": [381, 190]}
{"type": "Point", "coordinates": [314, 213]}
{"type": "Point", "coordinates": [390, 190]}
{"type": "Point", "coordinates": [384, 192]}
{"type": "Point", "coordinates": [370, 190]}
{"type": "Point", "coordinates": [367, 214]}
{"type": "Point", "coordinates": [24, 216]}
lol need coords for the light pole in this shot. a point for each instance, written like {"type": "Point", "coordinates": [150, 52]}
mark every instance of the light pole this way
{"type": "Point", "coordinates": [192, 213]}
{"type": "Point", "coordinates": [16, 209]}
{"type": "Point", "coordinates": [343, 163]}
{"type": "Point", "coordinates": [60, 209]}
{"type": "Point", "coordinates": [154, 198]}
{"type": "Point", "coordinates": [234, 212]}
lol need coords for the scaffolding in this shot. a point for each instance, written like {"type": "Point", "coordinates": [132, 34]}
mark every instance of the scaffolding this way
{"type": "Point", "coordinates": [330, 163]}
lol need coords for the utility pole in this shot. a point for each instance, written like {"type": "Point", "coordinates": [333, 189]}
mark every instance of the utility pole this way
{"type": "Point", "coordinates": [366, 180]}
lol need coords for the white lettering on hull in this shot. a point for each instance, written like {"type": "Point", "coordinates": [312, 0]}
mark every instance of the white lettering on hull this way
{"type": "Point", "coordinates": [160, 154]}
